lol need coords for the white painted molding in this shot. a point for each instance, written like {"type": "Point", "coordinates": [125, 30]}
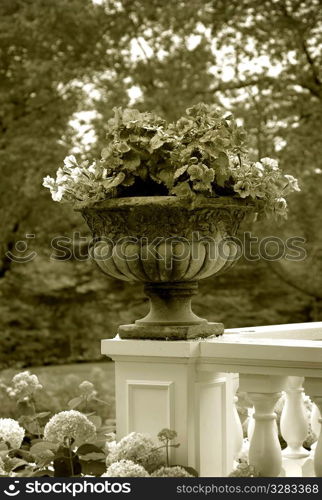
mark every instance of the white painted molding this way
{"type": "Point", "coordinates": [159, 394]}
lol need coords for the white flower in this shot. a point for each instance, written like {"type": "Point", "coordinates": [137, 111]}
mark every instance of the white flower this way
{"type": "Point", "coordinates": [281, 203]}
{"type": "Point", "coordinates": [58, 192]}
{"type": "Point", "coordinates": [48, 182]}
{"type": "Point", "coordinates": [76, 173]}
{"type": "Point", "coordinates": [92, 168]}
{"type": "Point", "coordinates": [61, 177]}
{"type": "Point", "coordinates": [69, 425]}
{"type": "Point", "coordinates": [175, 471]}
{"type": "Point", "coordinates": [11, 432]}
{"type": "Point", "coordinates": [269, 162]}
{"type": "Point", "coordinates": [259, 166]}
{"type": "Point", "coordinates": [137, 447]}
{"type": "Point", "coordinates": [2, 471]}
{"type": "Point", "coordinates": [292, 183]}
{"type": "Point", "coordinates": [70, 161]}
{"type": "Point", "coordinates": [125, 468]}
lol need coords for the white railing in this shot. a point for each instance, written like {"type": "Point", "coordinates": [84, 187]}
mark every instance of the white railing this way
{"type": "Point", "coordinates": [190, 386]}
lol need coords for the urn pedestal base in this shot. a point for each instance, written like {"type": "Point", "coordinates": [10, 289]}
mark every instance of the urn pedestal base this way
{"type": "Point", "coordinates": [170, 316]}
{"type": "Point", "coordinates": [173, 332]}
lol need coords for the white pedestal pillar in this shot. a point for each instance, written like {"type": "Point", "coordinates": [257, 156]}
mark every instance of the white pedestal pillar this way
{"type": "Point", "coordinates": [161, 384]}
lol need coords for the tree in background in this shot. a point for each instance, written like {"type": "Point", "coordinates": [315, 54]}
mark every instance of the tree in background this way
{"type": "Point", "coordinates": [260, 59]}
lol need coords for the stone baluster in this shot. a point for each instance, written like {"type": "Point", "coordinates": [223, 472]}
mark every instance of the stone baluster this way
{"type": "Point", "coordinates": [313, 387]}
{"type": "Point", "coordinates": [237, 426]}
{"type": "Point", "coordinates": [251, 423]}
{"type": "Point", "coordinates": [294, 420]}
{"type": "Point", "coordinates": [315, 424]}
{"type": "Point", "coordinates": [264, 450]}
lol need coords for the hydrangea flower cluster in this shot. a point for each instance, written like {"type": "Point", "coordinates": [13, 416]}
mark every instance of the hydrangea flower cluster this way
{"type": "Point", "coordinates": [175, 471]}
{"type": "Point", "coordinates": [71, 426]}
{"type": "Point", "coordinates": [125, 468]}
{"type": "Point", "coordinates": [11, 432]}
{"type": "Point", "coordinates": [24, 385]}
{"type": "Point", "coordinates": [204, 153]}
{"type": "Point", "coordinates": [138, 448]}
{"type": "Point", "coordinates": [87, 390]}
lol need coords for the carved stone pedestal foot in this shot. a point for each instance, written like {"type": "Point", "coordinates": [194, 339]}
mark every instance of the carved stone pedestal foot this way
{"type": "Point", "coordinates": [170, 316]}
{"type": "Point", "coordinates": [137, 331]}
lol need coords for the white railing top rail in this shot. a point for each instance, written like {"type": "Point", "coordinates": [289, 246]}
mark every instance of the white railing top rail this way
{"type": "Point", "coordinates": [293, 349]}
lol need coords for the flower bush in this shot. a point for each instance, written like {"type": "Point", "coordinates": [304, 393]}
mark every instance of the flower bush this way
{"type": "Point", "coordinates": [203, 154]}
{"type": "Point", "coordinates": [125, 468]}
{"type": "Point", "coordinates": [75, 443]}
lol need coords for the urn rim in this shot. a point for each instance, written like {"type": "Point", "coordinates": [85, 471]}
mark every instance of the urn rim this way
{"type": "Point", "coordinates": [168, 202]}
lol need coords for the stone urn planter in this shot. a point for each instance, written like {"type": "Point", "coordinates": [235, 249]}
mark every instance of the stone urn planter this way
{"type": "Point", "coordinates": [167, 243]}
{"type": "Point", "coordinates": [163, 203]}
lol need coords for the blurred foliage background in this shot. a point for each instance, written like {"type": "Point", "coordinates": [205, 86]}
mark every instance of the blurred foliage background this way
{"type": "Point", "coordinates": [64, 65]}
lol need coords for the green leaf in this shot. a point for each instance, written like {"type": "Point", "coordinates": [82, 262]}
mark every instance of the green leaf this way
{"type": "Point", "coordinates": [17, 463]}
{"type": "Point", "coordinates": [182, 189]}
{"type": "Point", "coordinates": [94, 456]}
{"type": "Point", "coordinates": [42, 446]}
{"type": "Point", "coordinates": [22, 454]}
{"type": "Point", "coordinates": [222, 160]}
{"type": "Point", "coordinates": [86, 448]}
{"type": "Point", "coordinates": [3, 446]}
{"type": "Point", "coordinates": [180, 171]}
{"type": "Point", "coordinates": [190, 470]}
{"type": "Point", "coordinates": [43, 414]}
{"type": "Point", "coordinates": [75, 402]}
{"type": "Point", "coordinates": [113, 182]}
{"type": "Point", "coordinates": [156, 142]}
{"type": "Point", "coordinates": [130, 115]}
{"type": "Point", "coordinates": [105, 153]}
{"type": "Point", "coordinates": [62, 467]}
{"type": "Point", "coordinates": [42, 473]}
{"type": "Point", "coordinates": [96, 420]}
{"type": "Point", "coordinates": [24, 408]}
{"type": "Point", "coordinates": [123, 147]}
{"type": "Point", "coordinates": [93, 468]}
{"type": "Point", "coordinates": [131, 161]}
{"type": "Point", "coordinates": [166, 177]}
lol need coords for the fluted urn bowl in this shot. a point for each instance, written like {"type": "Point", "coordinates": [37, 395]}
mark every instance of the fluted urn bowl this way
{"type": "Point", "coordinates": [167, 243]}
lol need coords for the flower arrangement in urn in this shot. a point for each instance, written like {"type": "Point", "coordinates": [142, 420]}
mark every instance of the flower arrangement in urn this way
{"type": "Point", "coordinates": [164, 201]}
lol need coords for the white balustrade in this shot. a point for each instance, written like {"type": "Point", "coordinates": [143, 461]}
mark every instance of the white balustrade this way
{"type": "Point", "coordinates": [294, 420]}
{"type": "Point", "coordinates": [190, 386]}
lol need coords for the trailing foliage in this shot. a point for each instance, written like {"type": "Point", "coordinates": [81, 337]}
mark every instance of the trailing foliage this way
{"type": "Point", "coordinates": [202, 154]}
